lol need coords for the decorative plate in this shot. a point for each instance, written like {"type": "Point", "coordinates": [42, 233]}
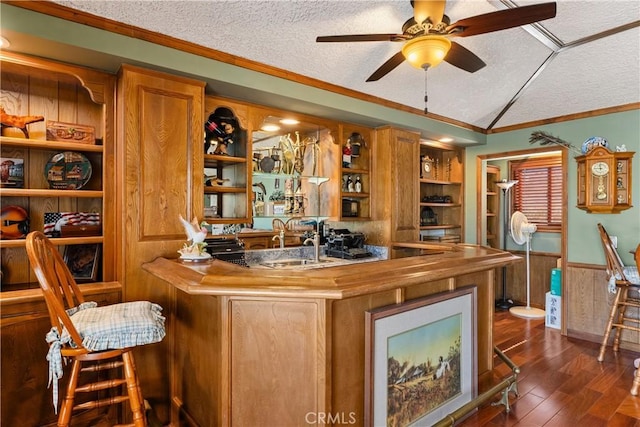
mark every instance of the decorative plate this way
{"type": "Point", "coordinates": [593, 142]}
{"type": "Point", "coordinates": [67, 171]}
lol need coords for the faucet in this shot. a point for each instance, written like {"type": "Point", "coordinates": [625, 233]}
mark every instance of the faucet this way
{"type": "Point", "coordinates": [316, 245]}
{"type": "Point", "coordinates": [279, 236]}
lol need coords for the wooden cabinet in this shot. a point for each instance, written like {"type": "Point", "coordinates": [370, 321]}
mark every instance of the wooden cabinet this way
{"type": "Point", "coordinates": [355, 164]}
{"type": "Point", "coordinates": [396, 193]}
{"type": "Point", "coordinates": [441, 193]}
{"type": "Point", "coordinates": [226, 176]}
{"type": "Point", "coordinates": [492, 212]}
{"type": "Point", "coordinates": [604, 181]}
{"type": "Point", "coordinates": [160, 164]}
{"type": "Point", "coordinates": [61, 93]}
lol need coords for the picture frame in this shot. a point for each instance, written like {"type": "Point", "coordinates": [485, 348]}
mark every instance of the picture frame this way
{"type": "Point", "coordinates": [83, 261]}
{"type": "Point", "coordinates": [421, 358]}
{"type": "Point", "coordinates": [11, 172]}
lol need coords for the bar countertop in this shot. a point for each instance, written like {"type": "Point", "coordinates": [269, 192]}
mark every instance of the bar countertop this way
{"type": "Point", "coordinates": [344, 280]}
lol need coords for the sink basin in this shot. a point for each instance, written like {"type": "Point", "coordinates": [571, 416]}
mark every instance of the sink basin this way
{"type": "Point", "coordinates": [289, 263]}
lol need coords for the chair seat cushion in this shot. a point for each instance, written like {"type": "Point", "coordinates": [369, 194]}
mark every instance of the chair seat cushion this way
{"type": "Point", "coordinates": [630, 273]}
{"type": "Point", "coordinates": [118, 326]}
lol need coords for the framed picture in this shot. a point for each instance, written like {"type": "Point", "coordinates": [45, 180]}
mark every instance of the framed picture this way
{"type": "Point", "coordinates": [11, 172]}
{"type": "Point", "coordinates": [420, 359]}
{"type": "Point", "coordinates": [83, 261]}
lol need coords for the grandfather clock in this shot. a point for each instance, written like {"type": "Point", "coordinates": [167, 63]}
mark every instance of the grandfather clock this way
{"type": "Point", "coordinates": [604, 181]}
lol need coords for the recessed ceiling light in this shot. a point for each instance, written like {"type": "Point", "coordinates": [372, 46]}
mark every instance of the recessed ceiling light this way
{"type": "Point", "coordinates": [270, 128]}
{"type": "Point", "coordinates": [4, 43]}
{"type": "Point", "coordinates": [289, 121]}
{"type": "Point", "coordinates": [446, 139]}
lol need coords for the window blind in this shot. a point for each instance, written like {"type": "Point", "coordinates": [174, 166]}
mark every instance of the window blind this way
{"type": "Point", "coordinates": [538, 193]}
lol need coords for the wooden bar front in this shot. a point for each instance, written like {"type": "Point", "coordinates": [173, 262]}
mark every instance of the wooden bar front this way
{"type": "Point", "coordinates": [287, 347]}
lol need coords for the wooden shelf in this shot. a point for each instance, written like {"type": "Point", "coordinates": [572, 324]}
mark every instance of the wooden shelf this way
{"type": "Point", "coordinates": [58, 241]}
{"type": "Point", "coordinates": [42, 192]}
{"type": "Point", "coordinates": [448, 205]}
{"type": "Point", "coordinates": [440, 227]}
{"type": "Point", "coordinates": [217, 160]}
{"type": "Point", "coordinates": [354, 195]}
{"type": "Point", "coordinates": [50, 145]}
{"type": "Point", "coordinates": [221, 189]}
{"type": "Point", "coordinates": [436, 181]}
{"type": "Point", "coordinates": [347, 171]}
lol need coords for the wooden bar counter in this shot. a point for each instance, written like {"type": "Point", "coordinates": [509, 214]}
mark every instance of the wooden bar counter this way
{"type": "Point", "coordinates": [258, 347]}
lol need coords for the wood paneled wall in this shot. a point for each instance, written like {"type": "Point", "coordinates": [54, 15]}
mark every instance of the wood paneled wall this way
{"type": "Point", "coordinates": [589, 303]}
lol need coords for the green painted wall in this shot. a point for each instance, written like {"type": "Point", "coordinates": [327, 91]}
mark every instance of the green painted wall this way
{"type": "Point", "coordinates": [583, 239]}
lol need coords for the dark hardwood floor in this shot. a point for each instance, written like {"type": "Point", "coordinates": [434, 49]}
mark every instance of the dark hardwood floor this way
{"type": "Point", "coordinates": [560, 383]}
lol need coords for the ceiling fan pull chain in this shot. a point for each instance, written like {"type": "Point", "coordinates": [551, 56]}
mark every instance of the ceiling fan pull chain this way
{"type": "Point", "coordinates": [426, 97]}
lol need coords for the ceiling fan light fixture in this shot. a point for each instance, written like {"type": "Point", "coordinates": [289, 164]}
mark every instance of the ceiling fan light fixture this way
{"type": "Point", "coordinates": [426, 51]}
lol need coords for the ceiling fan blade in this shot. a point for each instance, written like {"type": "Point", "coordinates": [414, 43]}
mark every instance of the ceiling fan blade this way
{"type": "Point", "coordinates": [387, 67]}
{"type": "Point", "coordinates": [463, 58]}
{"type": "Point", "coordinates": [502, 19]}
{"type": "Point", "coordinates": [432, 9]}
{"type": "Point", "coordinates": [362, 38]}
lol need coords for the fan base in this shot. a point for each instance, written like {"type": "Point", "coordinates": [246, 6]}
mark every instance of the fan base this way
{"type": "Point", "coordinates": [503, 304]}
{"type": "Point", "coordinates": [527, 312]}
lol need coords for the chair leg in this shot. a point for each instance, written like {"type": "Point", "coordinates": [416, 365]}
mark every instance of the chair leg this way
{"type": "Point", "coordinates": [636, 383]}
{"type": "Point", "coordinates": [621, 312]}
{"type": "Point", "coordinates": [64, 418]}
{"type": "Point", "coordinates": [133, 389]}
{"type": "Point", "coordinates": [607, 330]}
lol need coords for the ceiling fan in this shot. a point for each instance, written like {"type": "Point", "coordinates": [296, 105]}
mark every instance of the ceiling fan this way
{"type": "Point", "coordinates": [427, 35]}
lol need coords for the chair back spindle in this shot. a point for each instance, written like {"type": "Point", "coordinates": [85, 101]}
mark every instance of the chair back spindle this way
{"type": "Point", "coordinates": [60, 289]}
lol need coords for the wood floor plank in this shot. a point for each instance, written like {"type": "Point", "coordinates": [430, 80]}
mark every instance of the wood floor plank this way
{"type": "Point", "coordinates": [561, 383]}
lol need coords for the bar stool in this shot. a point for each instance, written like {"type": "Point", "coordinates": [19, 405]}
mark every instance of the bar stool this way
{"type": "Point", "coordinates": [93, 338]}
{"type": "Point", "coordinates": [623, 279]}
{"type": "Point", "coordinates": [636, 376]}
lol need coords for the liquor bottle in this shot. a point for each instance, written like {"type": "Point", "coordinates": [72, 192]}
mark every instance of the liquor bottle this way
{"type": "Point", "coordinates": [358, 185]}
{"type": "Point", "coordinates": [350, 186]}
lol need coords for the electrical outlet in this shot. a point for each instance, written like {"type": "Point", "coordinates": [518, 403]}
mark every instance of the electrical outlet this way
{"type": "Point", "coordinates": [614, 241]}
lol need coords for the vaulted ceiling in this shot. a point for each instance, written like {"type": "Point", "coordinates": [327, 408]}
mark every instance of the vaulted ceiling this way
{"type": "Point", "coordinates": [586, 58]}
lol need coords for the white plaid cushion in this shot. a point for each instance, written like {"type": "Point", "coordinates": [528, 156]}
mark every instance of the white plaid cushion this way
{"type": "Point", "coordinates": [121, 325]}
{"type": "Point", "coordinates": [631, 273]}
{"type": "Point", "coordinates": [110, 327]}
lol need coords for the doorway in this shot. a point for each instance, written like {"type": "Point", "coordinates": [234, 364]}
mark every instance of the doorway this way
{"type": "Point", "coordinates": [495, 166]}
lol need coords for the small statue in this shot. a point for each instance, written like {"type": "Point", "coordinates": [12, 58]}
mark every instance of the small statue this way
{"type": "Point", "coordinates": [20, 122]}
{"type": "Point", "coordinates": [219, 131]}
{"type": "Point", "coordinates": [196, 234]}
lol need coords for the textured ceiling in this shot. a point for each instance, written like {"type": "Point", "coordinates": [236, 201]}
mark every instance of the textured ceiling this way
{"type": "Point", "coordinates": [580, 77]}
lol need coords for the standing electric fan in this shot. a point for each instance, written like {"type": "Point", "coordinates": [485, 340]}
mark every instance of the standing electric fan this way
{"type": "Point", "coordinates": [521, 231]}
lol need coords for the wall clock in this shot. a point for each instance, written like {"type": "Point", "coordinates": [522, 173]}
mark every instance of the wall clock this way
{"type": "Point", "coordinates": [604, 181]}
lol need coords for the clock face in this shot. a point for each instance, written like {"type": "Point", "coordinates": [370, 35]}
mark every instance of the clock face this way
{"type": "Point", "coordinates": [600, 169]}
{"type": "Point", "coordinates": [427, 166]}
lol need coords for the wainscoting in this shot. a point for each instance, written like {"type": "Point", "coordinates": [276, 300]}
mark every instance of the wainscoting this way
{"type": "Point", "coordinates": [588, 305]}
{"type": "Point", "coordinates": [540, 266]}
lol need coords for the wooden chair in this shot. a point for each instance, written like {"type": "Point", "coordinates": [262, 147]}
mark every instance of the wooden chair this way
{"type": "Point", "coordinates": [93, 338]}
{"type": "Point", "coordinates": [636, 377]}
{"type": "Point", "coordinates": [624, 281]}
